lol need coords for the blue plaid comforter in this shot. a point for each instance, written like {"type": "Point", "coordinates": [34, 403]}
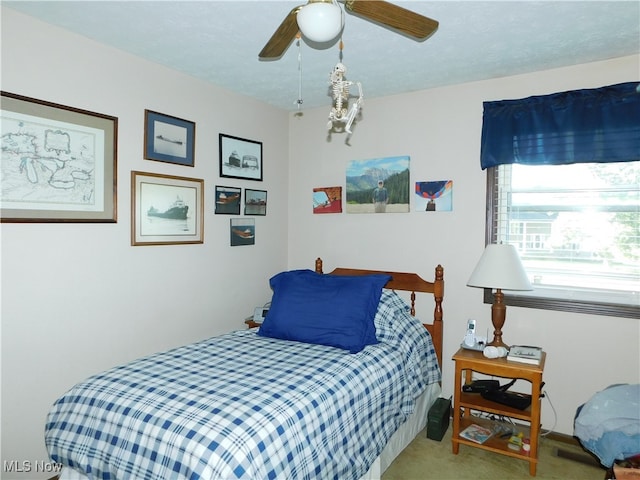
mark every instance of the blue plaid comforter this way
{"type": "Point", "coordinates": [245, 406]}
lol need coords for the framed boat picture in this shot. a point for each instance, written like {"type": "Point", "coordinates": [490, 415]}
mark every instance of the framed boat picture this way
{"type": "Point", "coordinates": [240, 158]}
{"type": "Point", "coordinates": [166, 210]}
{"type": "Point", "coordinates": [227, 200]}
{"type": "Point", "coordinates": [255, 202]}
{"type": "Point", "coordinates": [169, 139]}
{"type": "Point", "coordinates": [243, 231]}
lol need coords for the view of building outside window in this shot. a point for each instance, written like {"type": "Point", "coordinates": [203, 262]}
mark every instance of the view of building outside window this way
{"type": "Point", "coordinates": [576, 227]}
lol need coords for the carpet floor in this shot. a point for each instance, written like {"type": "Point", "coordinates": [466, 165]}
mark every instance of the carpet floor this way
{"type": "Point", "coordinates": [427, 459]}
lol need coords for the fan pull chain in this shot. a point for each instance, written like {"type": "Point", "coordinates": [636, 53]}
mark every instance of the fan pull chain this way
{"type": "Point", "coordinates": [341, 47]}
{"type": "Point", "coordinates": [299, 101]}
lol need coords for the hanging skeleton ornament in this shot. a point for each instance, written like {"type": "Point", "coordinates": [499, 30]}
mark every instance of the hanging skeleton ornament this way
{"type": "Point", "coordinates": [340, 111]}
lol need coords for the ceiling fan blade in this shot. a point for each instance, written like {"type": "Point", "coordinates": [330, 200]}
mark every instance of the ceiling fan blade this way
{"type": "Point", "coordinates": [282, 37]}
{"type": "Point", "coordinates": [385, 13]}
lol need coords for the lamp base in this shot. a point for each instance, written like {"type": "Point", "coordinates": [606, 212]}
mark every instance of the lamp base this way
{"type": "Point", "coordinates": [497, 343]}
{"type": "Point", "coordinates": [498, 317]}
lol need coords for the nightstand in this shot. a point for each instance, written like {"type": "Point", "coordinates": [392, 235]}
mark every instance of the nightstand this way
{"type": "Point", "coordinates": [468, 361]}
{"type": "Point", "coordinates": [251, 324]}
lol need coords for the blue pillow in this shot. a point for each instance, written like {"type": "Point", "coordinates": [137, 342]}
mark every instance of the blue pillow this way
{"type": "Point", "coordinates": [332, 310]}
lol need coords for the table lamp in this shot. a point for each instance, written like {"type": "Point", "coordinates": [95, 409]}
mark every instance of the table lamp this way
{"type": "Point", "coordinates": [499, 268]}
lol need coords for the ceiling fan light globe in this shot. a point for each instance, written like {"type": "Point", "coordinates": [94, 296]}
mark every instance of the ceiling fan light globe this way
{"type": "Point", "coordinates": [320, 22]}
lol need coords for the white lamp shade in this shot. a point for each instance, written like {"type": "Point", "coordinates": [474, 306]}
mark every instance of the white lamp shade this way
{"type": "Point", "coordinates": [320, 22]}
{"type": "Point", "coordinates": [500, 267]}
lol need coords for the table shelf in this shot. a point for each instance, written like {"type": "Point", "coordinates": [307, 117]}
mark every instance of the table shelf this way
{"type": "Point", "coordinates": [469, 361]}
{"type": "Point", "coordinates": [495, 443]}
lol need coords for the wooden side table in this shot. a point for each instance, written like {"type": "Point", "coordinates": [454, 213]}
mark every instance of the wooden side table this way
{"type": "Point", "coordinates": [250, 323]}
{"type": "Point", "coordinates": [468, 361]}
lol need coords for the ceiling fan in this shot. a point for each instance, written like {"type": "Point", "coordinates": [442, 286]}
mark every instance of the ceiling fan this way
{"type": "Point", "coordinates": [387, 14]}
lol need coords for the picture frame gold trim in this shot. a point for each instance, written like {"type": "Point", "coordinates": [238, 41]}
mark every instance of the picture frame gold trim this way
{"type": "Point", "coordinates": [59, 163]}
{"type": "Point", "coordinates": [166, 209]}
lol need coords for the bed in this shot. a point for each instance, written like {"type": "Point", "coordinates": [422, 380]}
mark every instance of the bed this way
{"type": "Point", "coordinates": [319, 398]}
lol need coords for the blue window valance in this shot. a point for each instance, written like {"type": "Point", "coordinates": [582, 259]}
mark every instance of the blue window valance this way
{"type": "Point", "coordinates": [581, 126]}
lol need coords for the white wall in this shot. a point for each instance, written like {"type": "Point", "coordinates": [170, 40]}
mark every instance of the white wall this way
{"type": "Point", "coordinates": [78, 298]}
{"type": "Point", "coordinates": [440, 130]}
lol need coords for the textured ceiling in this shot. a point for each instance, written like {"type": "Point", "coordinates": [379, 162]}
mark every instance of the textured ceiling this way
{"type": "Point", "coordinates": [219, 41]}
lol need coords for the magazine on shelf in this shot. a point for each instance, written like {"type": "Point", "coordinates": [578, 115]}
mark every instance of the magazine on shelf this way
{"type": "Point", "coordinates": [476, 433]}
{"type": "Point", "coordinates": [525, 354]}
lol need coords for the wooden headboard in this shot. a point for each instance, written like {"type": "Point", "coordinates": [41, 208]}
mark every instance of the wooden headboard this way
{"type": "Point", "coordinates": [410, 282]}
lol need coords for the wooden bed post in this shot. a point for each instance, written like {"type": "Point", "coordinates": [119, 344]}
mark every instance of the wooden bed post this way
{"type": "Point", "coordinates": [438, 294]}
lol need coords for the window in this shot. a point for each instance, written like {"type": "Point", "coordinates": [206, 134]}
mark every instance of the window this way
{"type": "Point", "coordinates": [577, 229]}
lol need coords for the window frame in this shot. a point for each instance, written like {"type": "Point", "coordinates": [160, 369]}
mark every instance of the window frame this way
{"type": "Point", "coordinates": [542, 302]}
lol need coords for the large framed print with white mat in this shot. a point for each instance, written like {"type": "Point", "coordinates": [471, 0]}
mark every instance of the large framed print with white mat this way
{"type": "Point", "coordinates": [58, 162]}
{"type": "Point", "coordinates": [166, 210]}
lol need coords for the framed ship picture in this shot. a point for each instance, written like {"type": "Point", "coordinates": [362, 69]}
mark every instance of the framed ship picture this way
{"type": "Point", "coordinates": [169, 139]}
{"type": "Point", "coordinates": [240, 158]}
{"type": "Point", "coordinates": [242, 231]}
{"type": "Point", "coordinates": [166, 210]}
{"type": "Point", "coordinates": [255, 202]}
{"type": "Point", "coordinates": [227, 200]}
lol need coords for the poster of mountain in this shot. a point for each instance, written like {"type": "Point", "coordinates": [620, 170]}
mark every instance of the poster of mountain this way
{"type": "Point", "coordinates": [379, 185]}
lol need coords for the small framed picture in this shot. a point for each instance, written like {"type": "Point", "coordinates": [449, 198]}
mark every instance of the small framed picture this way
{"type": "Point", "coordinates": [166, 210]}
{"type": "Point", "coordinates": [240, 158]}
{"type": "Point", "coordinates": [228, 200]}
{"type": "Point", "coordinates": [434, 196]}
{"type": "Point", "coordinates": [169, 139]}
{"type": "Point", "coordinates": [243, 231]}
{"type": "Point", "coordinates": [255, 202]}
{"type": "Point", "coordinates": [327, 200]}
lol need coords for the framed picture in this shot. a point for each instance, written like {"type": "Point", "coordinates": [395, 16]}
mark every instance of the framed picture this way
{"type": "Point", "coordinates": [243, 231]}
{"type": "Point", "coordinates": [327, 200]}
{"type": "Point", "coordinates": [228, 200]}
{"type": "Point", "coordinates": [255, 202]}
{"type": "Point", "coordinates": [169, 139]}
{"type": "Point", "coordinates": [240, 158]}
{"type": "Point", "coordinates": [434, 196]}
{"type": "Point", "coordinates": [166, 210]}
{"type": "Point", "coordinates": [58, 162]}
{"type": "Point", "coordinates": [384, 191]}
